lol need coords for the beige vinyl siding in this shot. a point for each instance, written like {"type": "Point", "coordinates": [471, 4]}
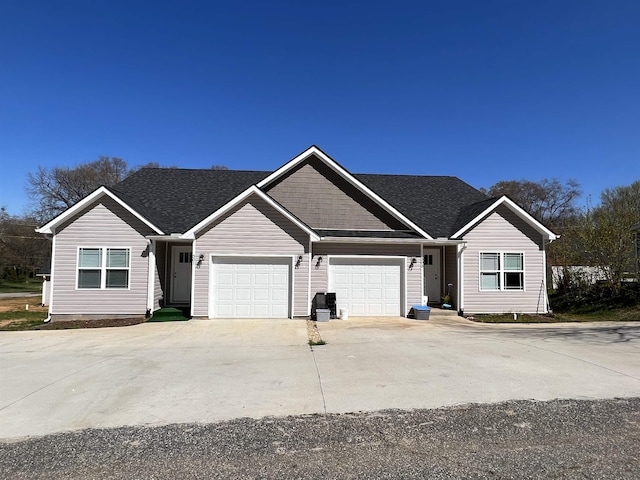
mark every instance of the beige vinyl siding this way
{"type": "Point", "coordinates": [320, 276]}
{"type": "Point", "coordinates": [103, 224]}
{"type": "Point", "coordinates": [451, 273]}
{"type": "Point", "coordinates": [252, 228]}
{"type": "Point", "coordinates": [319, 273]}
{"type": "Point", "coordinates": [504, 231]}
{"type": "Point", "coordinates": [323, 199]}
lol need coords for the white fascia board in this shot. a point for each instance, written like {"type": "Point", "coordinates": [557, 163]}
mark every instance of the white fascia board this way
{"type": "Point", "coordinates": [313, 150]}
{"type": "Point", "coordinates": [517, 210]}
{"type": "Point", "coordinates": [415, 241]}
{"type": "Point", "coordinates": [443, 241]}
{"type": "Point", "coordinates": [252, 190]}
{"type": "Point", "coordinates": [50, 227]}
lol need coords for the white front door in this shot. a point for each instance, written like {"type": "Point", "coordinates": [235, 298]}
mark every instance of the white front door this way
{"type": "Point", "coordinates": [181, 274]}
{"type": "Point", "coordinates": [367, 286]}
{"type": "Point", "coordinates": [432, 282]}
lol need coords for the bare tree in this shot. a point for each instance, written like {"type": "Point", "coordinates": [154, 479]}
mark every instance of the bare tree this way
{"type": "Point", "coordinates": [54, 190]}
{"type": "Point", "coordinates": [549, 201]}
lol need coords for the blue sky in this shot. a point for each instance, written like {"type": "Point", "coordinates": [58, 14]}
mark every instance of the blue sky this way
{"type": "Point", "coordinates": [483, 90]}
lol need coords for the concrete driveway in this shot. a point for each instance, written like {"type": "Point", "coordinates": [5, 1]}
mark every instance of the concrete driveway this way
{"type": "Point", "coordinates": [205, 371]}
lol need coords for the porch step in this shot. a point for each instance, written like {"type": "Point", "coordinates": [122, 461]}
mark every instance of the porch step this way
{"type": "Point", "coordinates": [169, 314]}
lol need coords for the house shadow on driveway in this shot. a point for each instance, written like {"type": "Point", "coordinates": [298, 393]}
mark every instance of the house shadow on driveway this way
{"type": "Point", "coordinates": [592, 333]}
{"type": "Point", "coordinates": [442, 322]}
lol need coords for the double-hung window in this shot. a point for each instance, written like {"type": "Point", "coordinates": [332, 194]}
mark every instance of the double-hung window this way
{"type": "Point", "coordinates": [104, 267]}
{"type": "Point", "coordinates": [501, 271]}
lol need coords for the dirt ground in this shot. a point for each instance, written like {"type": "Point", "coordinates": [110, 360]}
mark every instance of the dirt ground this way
{"type": "Point", "coordinates": [11, 304]}
{"type": "Point", "coordinates": [19, 304]}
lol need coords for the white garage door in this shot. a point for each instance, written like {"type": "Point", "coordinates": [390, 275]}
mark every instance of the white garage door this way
{"type": "Point", "coordinates": [250, 287]}
{"type": "Point", "coordinates": [367, 287]}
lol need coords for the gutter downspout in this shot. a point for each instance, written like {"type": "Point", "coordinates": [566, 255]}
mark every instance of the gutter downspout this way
{"type": "Point", "coordinates": [52, 238]}
{"type": "Point", "coordinates": [461, 247]}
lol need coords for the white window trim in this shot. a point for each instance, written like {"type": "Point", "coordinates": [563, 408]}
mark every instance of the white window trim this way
{"type": "Point", "coordinates": [501, 271]}
{"type": "Point", "coordinates": [103, 268]}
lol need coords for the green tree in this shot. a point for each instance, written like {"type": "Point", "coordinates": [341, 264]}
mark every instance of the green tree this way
{"type": "Point", "coordinates": [606, 234]}
{"type": "Point", "coordinates": [22, 251]}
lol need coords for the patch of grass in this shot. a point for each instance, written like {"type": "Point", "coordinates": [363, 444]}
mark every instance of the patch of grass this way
{"type": "Point", "coordinates": [20, 319]}
{"type": "Point", "coordinates": [313, 343]}
{"type": "Point", "coordinates": [508, 318]}
{"type": "Point", "coordinates": [24, 324]}
{"type": "Point", "coordinates": [20, 315]}
{"type": "Point", "coordinates": [615, 315]}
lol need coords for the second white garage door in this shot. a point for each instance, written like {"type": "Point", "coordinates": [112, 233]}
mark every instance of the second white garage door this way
{"type": "Point", "coordinates": [367, 287]}
{"type": "Point", "coordinates": [250, 287]}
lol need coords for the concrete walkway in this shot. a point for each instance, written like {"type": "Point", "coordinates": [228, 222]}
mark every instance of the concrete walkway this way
{"type": "Point", "coordinates": [20, 294]}
{"type": "Point", "coordinates": [206, 371]}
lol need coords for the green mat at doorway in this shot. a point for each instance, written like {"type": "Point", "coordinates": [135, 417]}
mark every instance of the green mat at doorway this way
{"type": "Point", "coordinates": [169, 314]}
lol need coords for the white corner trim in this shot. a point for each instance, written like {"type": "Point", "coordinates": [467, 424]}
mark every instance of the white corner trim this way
{"type": "Point", "coordinates": [53, 268]}
{"type": "Point", "coordinates": [151, 277]}
{"type": "Point", "coordinates": [252, 190]}
{"type": "Point", "coordinates": [313, 150]}
{"type": "Point", "coordinates": [192, 293]}
{"type": "Point", "coordinates": [517, 210]}
{"type": "Point", "coordinates": [50, 227]}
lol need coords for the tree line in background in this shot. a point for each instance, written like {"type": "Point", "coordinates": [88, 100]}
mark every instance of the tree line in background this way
{"type": "Point", "coordinates": [603, 238]}
{"type": "Point", "coordinates": [596, 258]}
{"type": "Point", "coordinates": [23, 252]}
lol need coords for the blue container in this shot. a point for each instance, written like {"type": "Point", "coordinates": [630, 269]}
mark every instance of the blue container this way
{"type": "Point", "coordinates": [421, 312]}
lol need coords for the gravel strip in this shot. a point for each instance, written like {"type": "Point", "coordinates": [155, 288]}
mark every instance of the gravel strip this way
{"type": "Point", "coordinates": [313, 333]}
{"type": "Point", "coordinates": [519, 439]}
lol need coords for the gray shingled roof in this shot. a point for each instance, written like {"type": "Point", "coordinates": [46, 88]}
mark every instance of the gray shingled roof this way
{"type": "Point", "coordinates": [176, 199]}
{"type": "Point", "coordinates": [469, 212]}
{"type": "Point", "coordinates": [432, 202]}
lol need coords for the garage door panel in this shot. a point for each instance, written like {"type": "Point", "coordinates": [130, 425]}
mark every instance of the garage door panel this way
{"type": "Point", "coordinates": [375, 294]}
{"type": "Point", "coordinates": [242, 294]}
{"type": "Point", "coordinates": [279, 294]}
{"type": "Point", "coordinates": [278, 311]}
{"type": "Point", "coordinates": [225, 293]}
{"type": "Point", "coordinates": [250, 287]}
{"type": "Point", "coordinates": [261, 294]}
{"type": "Point", "coordinates": [239, 311]}
{"type": "Point", "coordinates": [376, 309]}
{"type": "Point", "coordinates": [261, 310]}
{"type": "Point", "coordinates": [358, 293]}
{"type": "Point", "coordinates": [367, 286]}
{"type": "Point", "coordinates": [356, 308]}
{"type": "Point", "coordinates": [281, 279]}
